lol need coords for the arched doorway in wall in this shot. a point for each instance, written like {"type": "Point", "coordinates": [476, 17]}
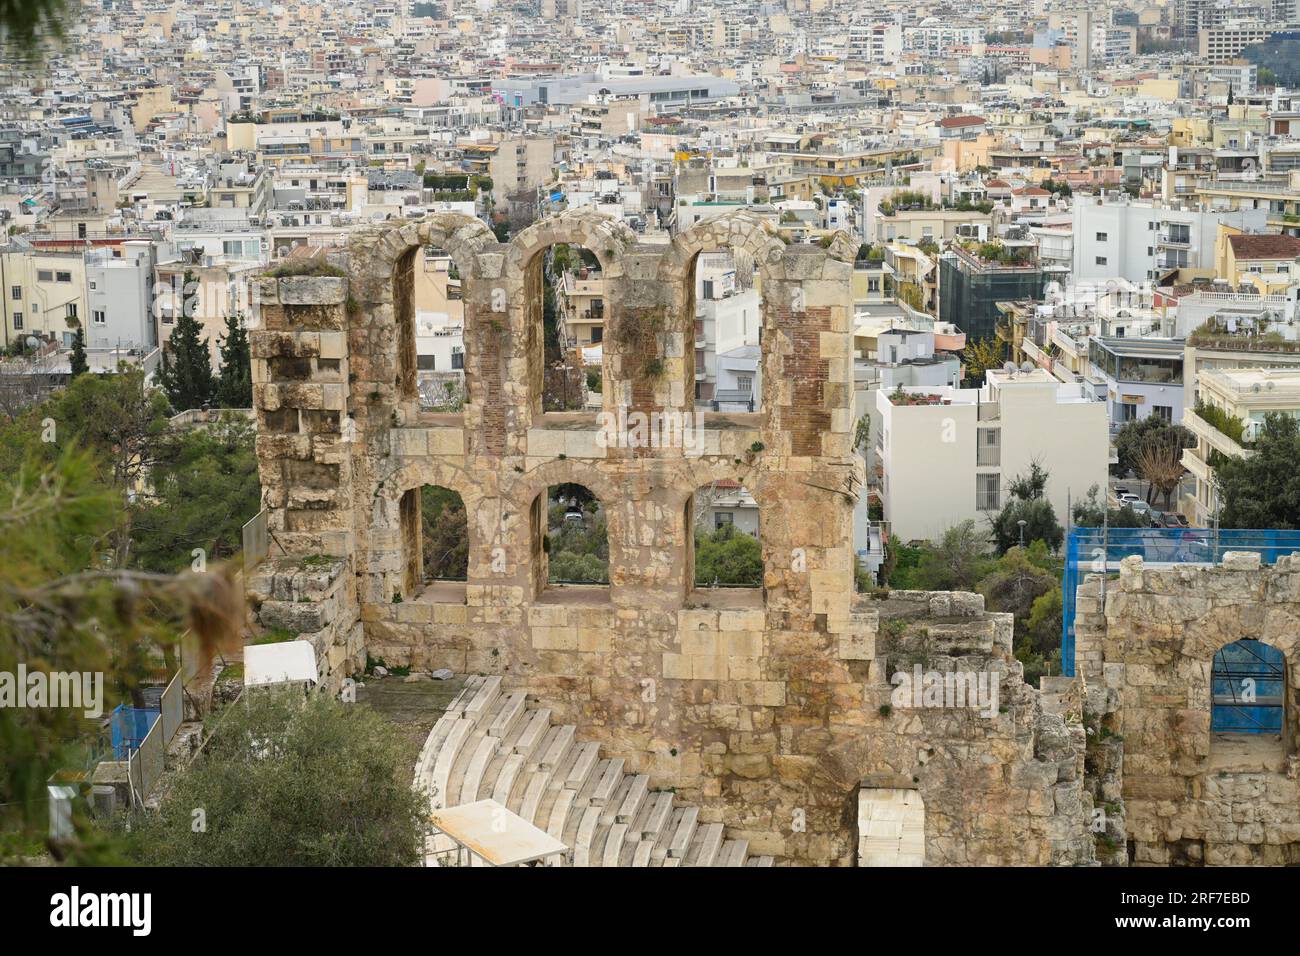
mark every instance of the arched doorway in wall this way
{"type": "Point", "coordinates": [430, 264]}
{"type": "Point", "coordinates": [728, 317]}
{"type": "Point", "coordinates": [567, 295]}
{"type": "Point", "coordinates": [891, 827]}
{"type": "Point", "coordinates": [439, 331]}
{"type": "Point", "coordinates": [726, 558]}
{"type": "Point", "coordinates": [435, 533]}
{"type": "Point", "coordinates": [1248, 707]}
{"type": "Point", "coordinates": [574, 543]}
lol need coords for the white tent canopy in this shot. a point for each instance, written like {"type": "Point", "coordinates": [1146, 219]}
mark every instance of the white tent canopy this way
{"type": "Point", "coordinates": [284, 663]}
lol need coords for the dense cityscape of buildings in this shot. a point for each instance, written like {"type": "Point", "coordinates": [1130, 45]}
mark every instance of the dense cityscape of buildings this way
{"type": "Point", "coordinates": [1006, 169]}
{"type": "Point", "coordinates": [1062, 218]}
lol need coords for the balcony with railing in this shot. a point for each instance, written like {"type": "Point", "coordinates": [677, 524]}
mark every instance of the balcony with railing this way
{"type": "Point", "coordinates": [1195, 464]}
{"type": "Point", "coordinates": [1214, 438]}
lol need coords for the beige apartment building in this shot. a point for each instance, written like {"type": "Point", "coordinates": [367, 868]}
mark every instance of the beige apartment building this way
{"type": "Point", "coordinates": [1235, 401]}
{"type": "Point", "coordinates": [938, 225]}
{"type": "Point", "coordinates": [948, 454]}
{"type": "Point", "coordinates": [1224, 44]}
{"type": "Point", "coordinates": [222, 288]}
{"type": "Point", "coordinates": [580, 306]}
{"type": "Point", "coordinates": [44, 293]}
{"type": "Point", "coordinates": [521, 162]}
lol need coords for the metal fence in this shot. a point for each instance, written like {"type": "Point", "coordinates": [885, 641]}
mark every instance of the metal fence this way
{"type": "Point", "coordinates": [256, 540]}
{"type": "Point", "coordinates": [133, 765]}
{"type": "Point", "coordinates": [172, 708]}
{"type": "Point", "coordinates": [150, 757]}
{"type": "Point", "coordinates": [140, 736]}
{"type": "Point", "coordinates": [1100, 550]}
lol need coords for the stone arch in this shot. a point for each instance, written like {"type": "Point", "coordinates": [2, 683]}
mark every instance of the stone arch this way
{"type": "Point", "coordinates": [395, 508]}
{"type": "Point", "coordinates": [740, 231]}
{"type": "Point", "coordinates": [750, 479]}
{"type": "Point", "coordinates": [736, 230]}
{"type": "Point", "coordinates": [607, 238]}
{"type": "Point", "coordinates": [604, 236]}
{"type": "Point", "coordinates": [1207, 630]}
{"type": "Point", "coordinates": [530, 496]}
{"type": "Point", "coordinates": [1278, 626]}
{"type": "Point", "coordinates": [383, 260]}
{"type": "Point", "coordinates": [380, 248]}
{"type": "Point", "coordinates": [566, 471]}
{"type": "Point", "coordinates": [432, 470]}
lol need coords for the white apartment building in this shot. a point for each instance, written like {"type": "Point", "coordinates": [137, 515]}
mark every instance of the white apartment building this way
{"type": "Point", "coordinates": [900, 355]}
{"type": "Point", "coordinates": [1143, 375]}
{"type": "Point", "coordinates": [119, 298]}
{"type": "Point", "coordinates": [1055, 237]}
{"type": "Point", "coordinates": [948, 454]}
{"type": "Point", "coordinates": [876, 43]}
{"type": "Point", "coordinates": [935, 37]}
{"type": "Point", "coordinates": [728, 318]}
{"type": "Point", "coordinates": [1139, 241]}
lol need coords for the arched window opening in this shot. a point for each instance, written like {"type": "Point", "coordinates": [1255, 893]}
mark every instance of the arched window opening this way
{"type": "Point", "coordinates": [567, 282]}
{"type": "Point", "coordinates": [1247, 706]}
{"type": "Point", "coordinates": [576, 541]}
{"type": "Point", "coordinates": [728, 332]}
{"type": "Point", "coordinates": [439, 317]}
{"type": "Point", "coordinates": [435, 539]}
{"type": "Point", "coordinates": [727, 553]}
{"type": "Point", "coordinates": [445, 530]}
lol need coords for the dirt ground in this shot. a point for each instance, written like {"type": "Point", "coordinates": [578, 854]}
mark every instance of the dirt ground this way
{"type": "Point", "coordinates": [413, 705]}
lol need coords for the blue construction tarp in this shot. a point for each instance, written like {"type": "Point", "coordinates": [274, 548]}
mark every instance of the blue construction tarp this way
{"type": "Point", "coordinates": [130, 725]}
{"type": "Point", "coordinates": [1248, 683]}
{"type": "Point", "coordinates": [1097, 550]}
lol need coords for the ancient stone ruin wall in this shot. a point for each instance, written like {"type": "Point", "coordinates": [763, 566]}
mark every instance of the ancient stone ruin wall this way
{"type": "Point", "coordinates": [1000, 784]}
{"type": "Point", "coordinates": [315, 598]}
{"type": "Point", "coordinates": [1145, 651]}
{"type": "Point", "coordinates": [768, 708]}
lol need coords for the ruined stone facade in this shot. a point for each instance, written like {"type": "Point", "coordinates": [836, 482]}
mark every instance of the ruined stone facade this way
{"type": "Point", "coordinates": [769, 710]}
{"type": "Point", "coordinates": [1145, 653]}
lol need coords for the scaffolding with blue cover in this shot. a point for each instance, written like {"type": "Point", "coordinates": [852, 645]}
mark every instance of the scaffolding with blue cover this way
{"type": "Point", "coordinates": [1248, 681]}
{"type": "Point", "coordinates": [1100, 550]}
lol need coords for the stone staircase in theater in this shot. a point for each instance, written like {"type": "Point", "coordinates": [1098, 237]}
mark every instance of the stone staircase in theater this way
{"type": "Point", "coordinates": [495, 744]}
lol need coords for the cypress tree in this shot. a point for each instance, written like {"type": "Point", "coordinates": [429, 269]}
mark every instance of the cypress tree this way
{"type": "Point", "coordinates": [235, 381]}
{"type": "Point", "coordinates": [79, 364]}
{"type": "Point", "coordinates": [186, 372]}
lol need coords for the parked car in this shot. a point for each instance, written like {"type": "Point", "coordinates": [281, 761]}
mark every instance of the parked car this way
{"type": "Point", "coordinates": [1138, 505]}
{"type": "Point", "coordinates": [1172, 519]}
{"type": "Point", "coordinates": [1128, 498]}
